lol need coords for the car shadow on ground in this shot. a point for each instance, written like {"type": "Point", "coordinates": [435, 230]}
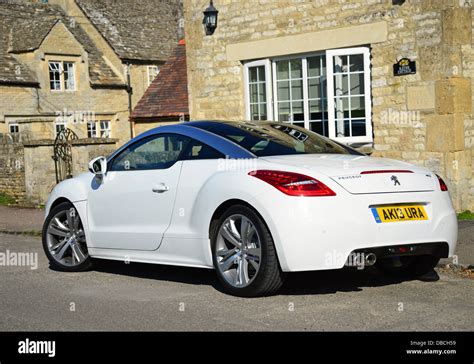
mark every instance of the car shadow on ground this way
{"type": "Point", "coordinates": [186, 275]}
{"type": "Point", "coordinates": [301, 283]}
{"type": "Point", "coordinates": [342, 280]}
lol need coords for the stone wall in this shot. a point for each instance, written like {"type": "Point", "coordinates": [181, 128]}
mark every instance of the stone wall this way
{"type": "Point", "coordinates": [425, 118]}
{"type": "Point", "coordinates": [83, 151]}
{"type": "Point", "coordinates": [39, 170]}
{"type": "Point", "coordinates": [17, 101]}
{"type": "Point", "coordinates": [12, 173]}
{"type": "Point", "coordinates": [40, 175]}
{"type": "Point", "coordinates": [468, 72]}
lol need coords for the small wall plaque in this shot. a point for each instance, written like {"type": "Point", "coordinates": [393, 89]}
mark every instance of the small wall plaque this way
{"type": "Point", "coordinates": [404, 67]}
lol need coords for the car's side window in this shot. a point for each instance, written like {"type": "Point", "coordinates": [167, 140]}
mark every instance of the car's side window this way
{"type": "Point", "coordinates": [154, 152]}
{"type": "Point", "coordinates": [197, 150]}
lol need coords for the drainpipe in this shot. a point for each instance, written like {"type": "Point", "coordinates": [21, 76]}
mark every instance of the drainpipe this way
{"type": "Point", "coordinates": [38, 105]}
{"type": "Point", "coordinates": [130, 93]}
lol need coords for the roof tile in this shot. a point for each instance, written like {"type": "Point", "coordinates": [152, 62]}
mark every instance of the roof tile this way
{"type": "Point", "coordinates": [167, 95]}
{"type": "Point", "coordinates": [137, 30]}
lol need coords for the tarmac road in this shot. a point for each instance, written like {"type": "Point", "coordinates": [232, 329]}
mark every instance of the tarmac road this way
{"type": "Point", "coordinates": [116, 296]}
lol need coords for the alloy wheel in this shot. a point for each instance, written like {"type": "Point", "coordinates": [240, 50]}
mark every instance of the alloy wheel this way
{"type": "Point", "coordinates": [66, 238]}
{"type": "Point", "coordinates": [238, 251]}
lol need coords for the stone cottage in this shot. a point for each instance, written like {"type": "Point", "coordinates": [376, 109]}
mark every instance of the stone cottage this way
{"type": "Point", "coordinates": [81, 64]}
{"type": "Point", "coordinates": [391, 77]}
{"type": "Point", "coordinates": [76, 64]}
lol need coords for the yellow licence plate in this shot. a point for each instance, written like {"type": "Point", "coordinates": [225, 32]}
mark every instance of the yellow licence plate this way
{"type": "Point", "coordinates": [399, 213]}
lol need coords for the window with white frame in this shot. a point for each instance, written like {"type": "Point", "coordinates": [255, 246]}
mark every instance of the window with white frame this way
{"type": "Point", "coordinates": [153, 71]}
{"type": "Point", "coordinates": [59, 127]}
{"type": "Point", "coordinates": [317, 94]}
{"type": "Point", "coordinates": [327, 92]}
{"type": "Point", "coordinates": [55, 76]}
{"type": "Point", "coordinates": [99, 129]}
{"type": "Point", "coordinates": [62, 76]}
{"type": "Point", "coordinates": [13, 128]}
{"type": "Point", "coordinates": [288, 80]}
{"type": "Point", "coordinates": [91, 129]}
{"type": "Point", "coordinates": [69, 77]}
{"type": "Point", "coordinates": [257, 77]}
{"type": "Point", "coordinates": [105, 130]}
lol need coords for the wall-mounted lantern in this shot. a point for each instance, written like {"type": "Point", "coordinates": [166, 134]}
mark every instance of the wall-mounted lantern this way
{"type": "Point", "coordinates": [210, 19]}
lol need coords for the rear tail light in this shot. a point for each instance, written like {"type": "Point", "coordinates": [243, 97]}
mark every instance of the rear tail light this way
{"type": "Point", "coordinates": [293, 184]}
{"type": "Point", "coordinates": [442, 185]}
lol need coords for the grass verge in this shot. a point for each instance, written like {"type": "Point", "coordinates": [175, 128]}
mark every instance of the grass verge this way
{"type": "Point", "coordinates": [6, 200]}
{"type": "Point", "coordinates": [466, 215]}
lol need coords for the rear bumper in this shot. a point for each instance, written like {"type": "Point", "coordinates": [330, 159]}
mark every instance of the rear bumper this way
{"type": "Point", "coordinates": [439, 249]}
{"type": "Point", "coordinates": [320, 233]}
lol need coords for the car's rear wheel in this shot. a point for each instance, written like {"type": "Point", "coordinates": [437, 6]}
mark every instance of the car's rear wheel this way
{"type": "Point", "coordinates": [64, 240]}
{"type": "Point", "coordinates": [244, 254]}
{"type": "Point", "coordinates": [408, 266]}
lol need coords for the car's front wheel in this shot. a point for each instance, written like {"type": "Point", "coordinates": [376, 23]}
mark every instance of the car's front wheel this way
{"type": "Point", "coordinates": [408, 266]}
{"type": "Point", "coordinates": [64, 240]}
{"type": "Point", "coordinates": [244, 254]}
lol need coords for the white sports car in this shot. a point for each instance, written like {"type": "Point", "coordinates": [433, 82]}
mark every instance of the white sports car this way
{"type": "Point", "coordinates": [253, 201]}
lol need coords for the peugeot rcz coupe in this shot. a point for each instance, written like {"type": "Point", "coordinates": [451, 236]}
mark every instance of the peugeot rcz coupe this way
{"type": "Point", "coordinates": [252, 200]}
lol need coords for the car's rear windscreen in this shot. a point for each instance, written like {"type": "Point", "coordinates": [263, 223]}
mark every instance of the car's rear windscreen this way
{"type": "Point", "coordinates": [270, 138]}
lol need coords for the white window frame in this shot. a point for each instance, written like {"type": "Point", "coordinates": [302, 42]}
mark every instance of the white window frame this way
{"type": "Point", "coordinates": [304, 64]}
{"type": "Point", "coordinates": [14, 124]}
{"type": "Point", "coordinates": [62, 79]}
{"type": "Point", "coordinates": [272, 96]}
{"type": "Point", "coordinates": [72, 79]}
{"type": "Point", "coordinates": [367, 94]}
{"type": "Point", "coordinates": [94, 131]}
{"type": "Point", "coordinates": [62, 123]}
{"type": "Point", "coordinates": [60, 70]}
{"type": "Point", "coordinates": [154, 67]}
{"type": "Point", "coordinates": [268, 77]}
{"type": "Point", "coordinates": [109, 128]}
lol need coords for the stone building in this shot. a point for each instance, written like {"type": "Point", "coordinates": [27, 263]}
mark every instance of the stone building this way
{"type": "Point", "coordinates": [81, 64]}
{"type": "Point", "coordinates": [76, 64]}
{"type": "Point", "coordinates": [328, 65]}
{"type": "Point", "coordinates": [166, 100]}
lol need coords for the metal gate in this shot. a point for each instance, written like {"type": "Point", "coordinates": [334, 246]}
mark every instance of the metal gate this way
{"type": "Point", "coordinates": [63, 154]}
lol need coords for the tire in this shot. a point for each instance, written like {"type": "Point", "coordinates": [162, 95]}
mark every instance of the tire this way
{"type": "Point", "coordinates": [65, 247]}
{"type": "Point", "coordinates": [257, 250]}
{"type": "Point", "coordinates": [408, 266]}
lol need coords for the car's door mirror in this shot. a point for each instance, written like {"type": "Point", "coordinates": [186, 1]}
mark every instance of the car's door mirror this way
{"type": "Point", "coordinates": [98, 166]}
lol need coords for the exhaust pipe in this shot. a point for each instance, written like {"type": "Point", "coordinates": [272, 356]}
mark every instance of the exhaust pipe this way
{"type": "Point", "coordinates": [370, 259]}
{"type": "Point", "coordinates": [361, 259]}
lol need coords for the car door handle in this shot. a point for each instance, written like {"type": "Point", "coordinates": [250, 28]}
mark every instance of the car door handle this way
{"type": "Point", "coordinates": [160, 188]}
